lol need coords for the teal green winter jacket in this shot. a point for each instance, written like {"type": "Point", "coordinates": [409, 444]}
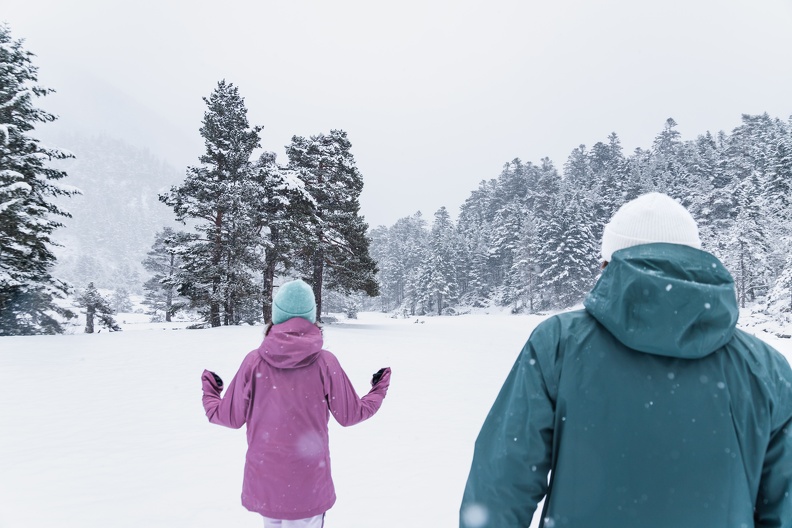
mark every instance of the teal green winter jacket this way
{"type": "Point", "coordinates": [648, 409]}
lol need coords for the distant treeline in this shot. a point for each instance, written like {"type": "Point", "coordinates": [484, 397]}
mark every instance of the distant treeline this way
{"type": "Point", "coordinates": [530, 238]}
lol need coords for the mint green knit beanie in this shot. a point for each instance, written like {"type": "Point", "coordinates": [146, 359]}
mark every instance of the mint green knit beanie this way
{"type": "Point", "coordinates": [294, 299]}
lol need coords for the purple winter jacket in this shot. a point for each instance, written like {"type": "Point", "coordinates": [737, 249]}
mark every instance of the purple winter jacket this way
{"type": "Point", "coordinates": [285, 391]}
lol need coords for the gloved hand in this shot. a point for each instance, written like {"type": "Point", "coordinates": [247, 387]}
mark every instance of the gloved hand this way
{"type": "Point", "coordinates": [211, 381]}
{"type": "Point", "coordinates": [377, 377]}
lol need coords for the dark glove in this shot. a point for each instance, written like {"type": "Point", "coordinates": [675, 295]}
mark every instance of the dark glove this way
{"type": "Point", "coordinates": [217, 379]}
{"type": "Point", "coordinates": [377, 376]}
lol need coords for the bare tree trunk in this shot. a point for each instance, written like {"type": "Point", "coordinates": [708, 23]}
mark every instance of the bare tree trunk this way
{"type": "Point", "coordinates": [89, 319]}
{"type": "Point", "coordinates": [318, 273]}
{"type": "Point", "coordinates": [742, 276]}
{"type": "Point", "coordinates": [169, 292]}
{"type": "Point", "coordinates": [268, 286]}
{"type": "Point", "coordinates": [217, 253]}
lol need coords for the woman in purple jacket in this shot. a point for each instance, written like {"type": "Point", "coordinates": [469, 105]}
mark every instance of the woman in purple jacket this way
{"type": "Point", "coordinates": [285, 391]}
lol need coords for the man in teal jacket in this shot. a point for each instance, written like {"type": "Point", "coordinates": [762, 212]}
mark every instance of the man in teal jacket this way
{"type": "Point", "coordinates": [648, 409]}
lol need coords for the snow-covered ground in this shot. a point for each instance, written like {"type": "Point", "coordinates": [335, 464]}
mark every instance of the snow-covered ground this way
{"type": "Point", "coordinates": [107, 430]}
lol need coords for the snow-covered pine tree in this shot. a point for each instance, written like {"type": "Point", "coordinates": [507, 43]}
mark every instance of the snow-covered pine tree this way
{"type": "Point", "coordinates": [548, 187]}
{"type": "Point", "coordinates": [96, 306]}
{"type": "Point", "coordinates": [507, 228]}
{"type": "Point", "coordinates": [567, 248]}
{"type": "Point", "coordinates": [668, 171]}
{"type": "Point", "coordinates": [779, 174]}
{"type": "Point", "coordinates": [721, 213]}
{"type": "Point", "coordinates": [336, 253]}
{"type": "Point", "coordinates": [708, 206]}
{"type": "Point", "coordinates": [776, 199]}
{"type": "Point", "coordinates": [438, 280]}
{"type": "Point", "coordinates": [578, 172]}
{"type": "Point", "coordinates": [748, 245]}
{"type": "Point", "coordinates": [218, 266]}
{"type": "Point", "coordinates": [380, 243]}
{"type": "Point", "coordinates": [610, 174]}
{"type": "Point", "coordinates": [28, 215]}
{"type": "Point", "coordinates": [164, 262]}
{"type": "Point", "coordinates": [748, 248]}
{"type": "Point", "coordinates": [399, 252]}
{"type": "Point", "coordinates": [120, 301]}
{"type": "Point", "coordinates": [473, 226]}
{"type": "Point", "coordinates": [282, 213]}
{"type": "Point", "coordinates": [513, 192]}
{"type": "Point", "coordinates": [524, 273]}
{"type": "Point", "coordinates": [779, 299]}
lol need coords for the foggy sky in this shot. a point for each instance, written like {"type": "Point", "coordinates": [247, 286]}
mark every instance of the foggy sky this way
{"type": "Point", "coordinates": [435, 95]}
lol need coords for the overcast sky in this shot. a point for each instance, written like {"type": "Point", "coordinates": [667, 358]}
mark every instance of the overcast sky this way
{"type": "Point", "coordinates": [435, 95]}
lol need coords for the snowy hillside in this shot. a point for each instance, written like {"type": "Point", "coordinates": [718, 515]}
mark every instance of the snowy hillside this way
{"type": "Point", "coordinates": [115, 219]}
{"type": "Point", "coordinates": [108, 429]}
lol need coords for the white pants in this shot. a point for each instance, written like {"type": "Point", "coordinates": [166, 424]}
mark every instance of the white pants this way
{"type": "Point", "coordinates": [311, 522]}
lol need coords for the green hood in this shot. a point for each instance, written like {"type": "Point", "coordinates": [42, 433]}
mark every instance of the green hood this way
{"type": "Point", "coordinates": [666, 299]}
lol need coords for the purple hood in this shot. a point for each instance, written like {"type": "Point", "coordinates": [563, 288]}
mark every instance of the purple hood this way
{"type": "Point", "coordinates": [284, 393]}
{"type": "Point", "coordinates": [293, 344]}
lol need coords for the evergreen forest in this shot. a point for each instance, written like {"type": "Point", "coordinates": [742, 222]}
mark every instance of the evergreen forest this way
{"type": "Point", "coordinates": [530, 238]}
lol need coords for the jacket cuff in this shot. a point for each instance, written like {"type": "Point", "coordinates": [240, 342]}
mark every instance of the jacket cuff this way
{"type": "Point", "coordinates": [209, 383]}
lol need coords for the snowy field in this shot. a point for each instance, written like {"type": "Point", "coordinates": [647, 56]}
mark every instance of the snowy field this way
{"type": "Point", "coordinates": [108, 430]}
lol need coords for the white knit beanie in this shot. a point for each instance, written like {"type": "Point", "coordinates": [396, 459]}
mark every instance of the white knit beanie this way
{"type": "Point", "coordinates": [652, 217]}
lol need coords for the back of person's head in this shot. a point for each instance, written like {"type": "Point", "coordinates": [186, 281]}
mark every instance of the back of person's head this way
{"type": "Point", "coordinates": [650, 218]}
{"type": "Point", "coordinates": [294, 299]}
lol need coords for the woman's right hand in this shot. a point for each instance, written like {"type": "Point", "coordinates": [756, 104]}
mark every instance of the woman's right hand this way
{"type": "Point", "coordinates": [381, 373]}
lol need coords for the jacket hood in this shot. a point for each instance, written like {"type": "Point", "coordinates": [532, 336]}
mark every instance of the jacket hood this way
{"type": "Point", "coordinates": [666, 299]}
{"type": "Point", "coordinates": [293, 344]}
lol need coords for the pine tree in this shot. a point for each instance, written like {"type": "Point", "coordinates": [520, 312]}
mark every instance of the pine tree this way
{"type": "Point", "coordinates": [120, 301]}
{"type": "Point", "coordinates": [28, 216]}
{"type": "Point", "coordinates": [568, 250]}
{"type": "Point", "coordinates": [96, 306]}
{"type": "Point", "coordinates": [609, 168]}
{"type": "Point", "coordinates": [707, 205]}
{"type": "Point", "coordinates": [218, 265]}
{"type": "Point", "coordinates": [386, 278]}
{"type": "Point", "coordinates": [748, 249]}
{"type": "Point", "coordinates": [668, 171]}
{"type": "Point", "coordinates": [779, 176]}
{"type": "Point", "coordinates": [507, 232]}
{"type": "Point", "coordinates": [510, 200]}
{"type": "Point", "coordinates": [578, 171]}
{"type": "Point", "coordinates": [283, 214]}
{"type": "Point", "coordinates": [406, 244]}
{"type": "Point", "coordinates": [164, 262]}
{"type": "Point", "coordinates": [524, 273]}
{"type": "Point", "coordinates": [336, 251]}
{"type": "Point", "coordinates": [474, 226]}
{"type": "Point", "coordinates": [779, 300]}
{"type": "Point", "coordinates": [438, 281]}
